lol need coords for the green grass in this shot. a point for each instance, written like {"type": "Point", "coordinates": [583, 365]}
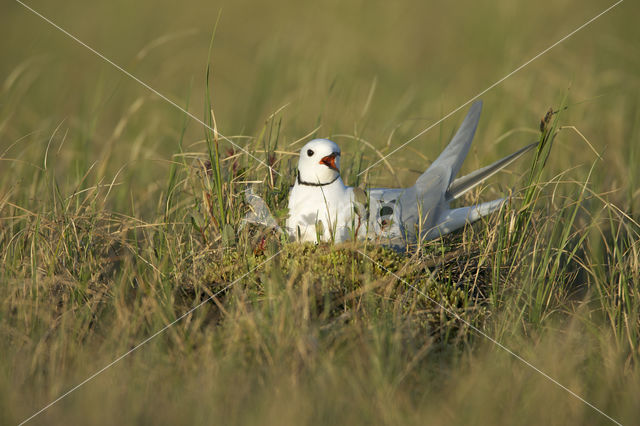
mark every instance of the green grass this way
{"type": "Point", "coordinates": [118, 215]}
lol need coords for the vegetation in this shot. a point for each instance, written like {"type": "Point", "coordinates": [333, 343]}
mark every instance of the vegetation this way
{"type": "Point", "coordinates": [119, 216]}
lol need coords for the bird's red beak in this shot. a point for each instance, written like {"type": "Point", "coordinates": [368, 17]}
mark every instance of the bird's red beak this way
{"type": "Point", "coordinates": [330, 161]}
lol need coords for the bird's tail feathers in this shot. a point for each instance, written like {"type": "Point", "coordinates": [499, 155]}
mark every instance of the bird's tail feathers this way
{"type": "Point", "coordinates": [465, 183]}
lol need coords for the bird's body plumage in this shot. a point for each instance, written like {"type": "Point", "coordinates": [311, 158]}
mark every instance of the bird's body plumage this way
{"type": "Point", "coordinates": [321, 211]}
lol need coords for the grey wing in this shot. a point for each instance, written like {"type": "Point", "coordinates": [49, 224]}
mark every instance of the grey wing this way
{"type": "Point", "coordinates": [424, 203]}
{"type": "Point", "coordinates": [424, 208]}
{"type": "Point", "coordinates": [465, 183]}
{"type": "Point", "coordinates": [450, 160]}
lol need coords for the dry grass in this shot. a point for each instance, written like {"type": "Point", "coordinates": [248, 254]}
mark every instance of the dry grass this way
{"type": "Point", "coordinates": [117, 217]}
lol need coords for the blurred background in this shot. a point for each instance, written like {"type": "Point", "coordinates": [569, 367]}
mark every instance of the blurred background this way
{"type": "Point", "coordinates": [372, 70]}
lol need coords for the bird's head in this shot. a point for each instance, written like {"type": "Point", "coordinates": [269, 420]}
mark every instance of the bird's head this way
{"type": "Point", "coordinates": [319, 162]}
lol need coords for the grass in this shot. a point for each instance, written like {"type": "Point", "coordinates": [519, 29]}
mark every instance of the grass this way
{"type": "Point", "coordinates": [118, 215]}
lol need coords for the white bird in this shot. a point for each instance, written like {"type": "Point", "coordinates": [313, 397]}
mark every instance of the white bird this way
{"type": "Point", "coordinates": [323, 208]}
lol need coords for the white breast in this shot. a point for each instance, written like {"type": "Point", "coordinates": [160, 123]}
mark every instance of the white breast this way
{"type": "Point", "coordinates": [322, 212]}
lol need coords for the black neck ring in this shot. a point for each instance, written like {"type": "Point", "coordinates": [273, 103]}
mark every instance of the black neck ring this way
{"type": "Point", "coordinates": [301, 182]}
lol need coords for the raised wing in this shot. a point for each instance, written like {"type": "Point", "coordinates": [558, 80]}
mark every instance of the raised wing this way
{"type": "Point", "coordinates": [450, 160]}
{"type": "Point", "coordinates": [465, 183]}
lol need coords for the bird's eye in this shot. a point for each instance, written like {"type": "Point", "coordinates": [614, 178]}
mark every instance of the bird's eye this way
{"type": "Point", "coordinates": [310, 152]}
